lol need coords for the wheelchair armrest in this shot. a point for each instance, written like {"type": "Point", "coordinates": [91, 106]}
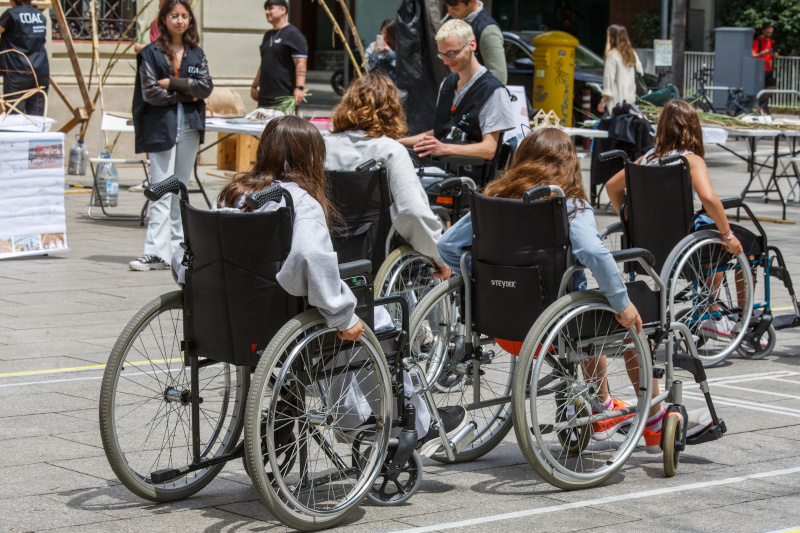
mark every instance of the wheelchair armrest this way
{"type": "Point", "coordinates": [170, 185]}
{"type": "Point", "coordinates": [449, 185]}
{"type": "Point", "coordinates": [631, 254]}
{"type": "Point", "coordinates": [729, 203]}
{"type": "Point", "coordinates": [461, 160]}
{"type": "Point", "coordinates": [611, 154]}
{"type": "Point", "coordinates": [613, 228]}
{"type": "Point", "coordinates": [442, 214]}
{"type": "Point", "coordinates": [355, 268]}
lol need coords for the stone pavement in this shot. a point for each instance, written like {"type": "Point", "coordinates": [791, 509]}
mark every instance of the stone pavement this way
{"type": "Point", "coordinates": [60, 316]}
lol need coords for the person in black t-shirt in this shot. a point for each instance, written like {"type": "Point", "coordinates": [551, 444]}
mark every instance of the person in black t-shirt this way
{"type": "Point", "coordinates": [23, 28]}
{"type": "Point", "coordinates": [284, 58]}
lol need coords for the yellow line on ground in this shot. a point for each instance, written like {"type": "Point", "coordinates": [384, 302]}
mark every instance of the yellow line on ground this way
{"type": "Point", "coordinates": [79, 368]}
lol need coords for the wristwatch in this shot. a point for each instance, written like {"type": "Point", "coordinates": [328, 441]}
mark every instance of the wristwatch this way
{"type": "Point", "coordinates": [301, 87]}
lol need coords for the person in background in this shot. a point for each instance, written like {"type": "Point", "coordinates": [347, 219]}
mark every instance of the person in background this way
{"type": "Point", "coordinates": [488, 35]}
{"type": "Point", "coordinates": [619, 73]}
{"type": "Point", "coordinates": [381, 53]}
{"type": "Point", "coordinates": [169, 121]}
{"type": "Point", "coordinates": [284, 59]}
{"type": "Point", "coordinates": [473, 108]}
{"type": "Point", "coordinates": [764, 48]}
{"type": "Point", "coordinates": [23, 28]}
{"type": "Point", "coordinates": [138, 47]}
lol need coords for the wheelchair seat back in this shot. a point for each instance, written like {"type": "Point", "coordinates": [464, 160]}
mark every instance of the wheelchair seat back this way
{"type": "Point", "coordinates": [659, 207]}
{"type": "Point", "coordinates": [233, 305]}
{"type": "Point", "coordinates": [520, 252]}
{"type": "Point", "coordinates": [363, 201]}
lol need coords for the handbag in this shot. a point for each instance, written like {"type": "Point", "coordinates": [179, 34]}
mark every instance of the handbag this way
{"type": "Point", "coordinates": [641, 86]}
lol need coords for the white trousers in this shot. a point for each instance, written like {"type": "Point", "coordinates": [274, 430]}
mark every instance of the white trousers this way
{"type": "Point", "coordinates": [164, 230]}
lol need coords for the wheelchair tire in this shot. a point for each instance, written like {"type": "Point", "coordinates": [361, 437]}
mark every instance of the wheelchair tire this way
{"type": "Point", "coordinates": [145, 364]}
{"type": "Point", "coordinates": [434, 334]}
{"type": "Point", "coordinates": [760, 352]}
{"type": "Point", "coordinates": [291, 408]}
{"type": "Point", "coordinates": [405, 272]}
{"type": "Point", "coordinates": [550, 376]}
{"type": "Point", "coordinates": [671, 440]}
{"type": "Point", "coordinates": [713, 310]}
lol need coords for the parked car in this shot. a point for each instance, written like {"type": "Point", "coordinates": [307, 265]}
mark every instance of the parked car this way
{"type": "Point", "coordinates": [588, 70]}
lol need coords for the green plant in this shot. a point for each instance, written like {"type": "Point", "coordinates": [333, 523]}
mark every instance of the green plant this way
{"type": "Point", "coordinates": [646, 26]}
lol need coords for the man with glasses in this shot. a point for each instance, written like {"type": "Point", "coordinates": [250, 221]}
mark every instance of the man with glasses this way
{"type": "Point", "coordinates": [488, 34]}
{"type": "Point", "coordinates": [284, 58]}
{"type": "Point", "coordinates": [473, 108]}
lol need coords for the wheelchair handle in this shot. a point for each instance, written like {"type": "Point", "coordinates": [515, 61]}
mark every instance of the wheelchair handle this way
{"type": "Point", "coordinates": [452, 185]}
{"type": "Point", "coordinates": [672, 159]}
{"type": "Point", "coordinates": [170, 185]}
{"type": "Point", "coordinates": [542, 191]}
{"type": "Point", "coordinates": [611, 154]}
{"type": "Point", "coordinates": [366, 165]}
{"type": "Point", "coordinates": [273, 193]}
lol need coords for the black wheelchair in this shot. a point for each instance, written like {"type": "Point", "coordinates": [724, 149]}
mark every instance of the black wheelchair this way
{"type": "Point", "coordinates": [363, 199]}
{"type": "Point", "coordinates": [514, 347]}
{"type": "Point", "coordinates": [324, 420]}
{"type": "Point", "coordinates": [709, 290]}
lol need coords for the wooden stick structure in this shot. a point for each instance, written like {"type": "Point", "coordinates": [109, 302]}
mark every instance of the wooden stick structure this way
{"type": "Point", "coordinates": [340, 33]}
{"type": "Point", "coordinates": [9, 105]}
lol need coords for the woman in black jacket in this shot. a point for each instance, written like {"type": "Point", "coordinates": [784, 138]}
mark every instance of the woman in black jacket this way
{"type": "Point", "coordinates": [169, 119]}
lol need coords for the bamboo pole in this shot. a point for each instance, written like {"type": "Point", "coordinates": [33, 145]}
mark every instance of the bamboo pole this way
{"type": "Point", "coordinates": [341, 35]}
{"type": "Point", "coordinates": [353, 30]}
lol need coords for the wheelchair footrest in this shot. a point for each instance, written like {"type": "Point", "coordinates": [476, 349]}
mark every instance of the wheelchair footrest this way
{"type": "Point", "coordinates": [786, 321]}
{"type": "Point", "coordinates": [168, 474]}
{"type": "Point", "coordinates": [712, 432]}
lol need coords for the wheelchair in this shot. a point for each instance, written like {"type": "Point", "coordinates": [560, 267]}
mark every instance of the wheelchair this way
{"type": "Point", "coordinates": [231, 353]}
{"type": "Point", "coordinates": [706, 285]}
{"type": "Point", "coordinates": [363, 199]}
{"type": "Point", "coordinates": [517, 349]}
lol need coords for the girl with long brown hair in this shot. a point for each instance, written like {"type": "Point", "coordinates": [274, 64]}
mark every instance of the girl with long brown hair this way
{"type": "Point", "coordinates": [620, 69]}
{"type": "Point", "coordinates": [291, 152]}
{"type": "Point", "coordinates": [366, 124]}
{"type": "Point", "coordinates": [172, 79]}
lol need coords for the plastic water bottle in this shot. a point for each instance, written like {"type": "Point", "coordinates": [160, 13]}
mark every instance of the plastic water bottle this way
{"type": "Point", "coordinates": [78, 155]}
{"type": "Point", "coordinates": [107, 183]}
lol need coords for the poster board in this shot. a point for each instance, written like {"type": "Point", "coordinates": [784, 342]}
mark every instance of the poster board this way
{"type": "Point", "coordinates": [32, 215]}
{"type": "Point", "coordinates": [520, 110]}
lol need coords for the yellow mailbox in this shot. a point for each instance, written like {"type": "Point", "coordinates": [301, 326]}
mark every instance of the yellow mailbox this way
{"type": "Point", "coordinates": [554, 73]}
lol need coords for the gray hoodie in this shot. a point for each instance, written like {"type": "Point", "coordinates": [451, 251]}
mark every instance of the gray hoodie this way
{"type": "Point", "coordinates": [311, 269]}
{"type": "Point", "coordinates": [410, 211]}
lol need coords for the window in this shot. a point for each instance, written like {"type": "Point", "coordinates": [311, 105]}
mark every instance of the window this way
{"type": "Point", "coordinates": [114, 17]}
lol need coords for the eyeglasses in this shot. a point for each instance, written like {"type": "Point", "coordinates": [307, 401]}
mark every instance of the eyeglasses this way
{"type": "Point", "coordinates": [451, 55]}
{"type": "Point", "coordinates": [179, 16]}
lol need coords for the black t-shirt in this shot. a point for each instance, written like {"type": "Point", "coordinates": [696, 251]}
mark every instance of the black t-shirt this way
{"type": "Point", "coordinates": [25, 29]}
{"type": "Point", "coordinates": [278, 50]}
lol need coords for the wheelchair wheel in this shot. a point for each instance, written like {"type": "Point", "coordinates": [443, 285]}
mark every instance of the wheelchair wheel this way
{"type": "Point", "coordinates": [612, 236]}
{"type": "Point", "coordinates": [559, 375]}
{"type": "Point", "coordinates": [145, 411]}
{"type": "Point", "coordinates": [711, 291]}
{"type": "Point", "coordinates": [303, 409]}
{"type": "Point", "coordinates": [754, 350]}
{"type": "Point", "coordinates": [671, 443]}
{"type": "Point", "coordinates": [438, 344]}
{"type": "Point", "coordinates": [405, 272]}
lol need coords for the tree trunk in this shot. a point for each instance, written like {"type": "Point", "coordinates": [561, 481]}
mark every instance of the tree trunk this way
{"type": "Point", "coordinates": [678, 36]}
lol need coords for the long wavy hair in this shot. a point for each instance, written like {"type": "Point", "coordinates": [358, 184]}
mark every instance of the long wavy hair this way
{"type": "Point", "coordinates": [678, 130]}
{"type": "Point", "coordinates": [617, 39]}
{"type": "Point", "coordinates": [190, 37]}
{"type": "Point", "coordinates": [373, 105]}
{"type": "Point", "coordinates": [545, 157]}
{"type": "Point", "coordinates": [290, 149]}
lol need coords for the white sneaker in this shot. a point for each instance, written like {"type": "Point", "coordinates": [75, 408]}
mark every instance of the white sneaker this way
{"type": "Point", "coordinates": [699, 419]}
{"type": "Point", "coordinates": [453, 419]}
{"type": "Point", "coordinates": [722, 327]}
{"type": "Point", "coordinates": [147, 262]}
{"type": "Point", "coordinates": [139, 188]}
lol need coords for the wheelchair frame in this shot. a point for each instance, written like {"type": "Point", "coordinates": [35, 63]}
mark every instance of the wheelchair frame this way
{"type": "Point", "coordinates": [396, 455]}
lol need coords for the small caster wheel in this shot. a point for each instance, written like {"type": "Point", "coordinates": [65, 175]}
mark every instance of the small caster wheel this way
{"type": "Point", "coordinates": [574, 440]}
{"type": "Point", "coordinates": [394, 488]}
{"type": "Point", "coordinates": [754, 350]}
{"type": "Point", "coordinates": [671, 443]}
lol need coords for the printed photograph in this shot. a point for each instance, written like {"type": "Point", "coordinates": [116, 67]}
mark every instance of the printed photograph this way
{"type": "Point", "coordinates": [27, 243]}
{"type": "Point", "coordinates": [53, 241]}
{"type": "Point", "coordinates": [45, 154]}
{"type": "Point", "coordinates": [6, 246]}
